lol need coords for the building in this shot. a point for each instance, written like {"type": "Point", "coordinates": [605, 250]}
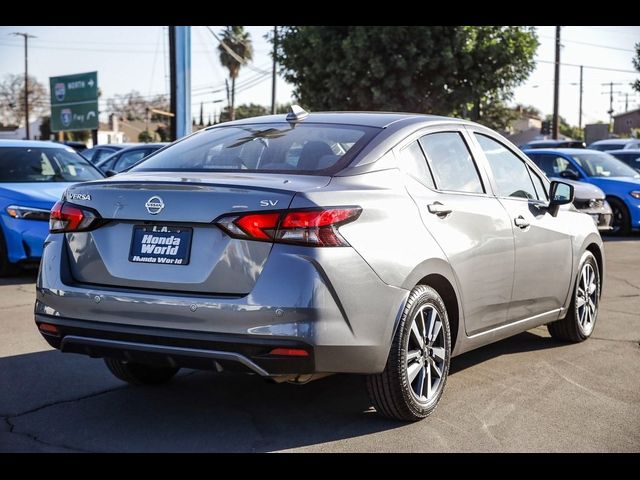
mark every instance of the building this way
{"type": "Point", "coordinates": [20, 133]}
{"type": "Point", "coordinates": [623, 123]}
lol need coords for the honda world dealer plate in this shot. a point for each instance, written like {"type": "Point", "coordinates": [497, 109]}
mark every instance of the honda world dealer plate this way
{"type": "Point", "coordinates": [160, 244]}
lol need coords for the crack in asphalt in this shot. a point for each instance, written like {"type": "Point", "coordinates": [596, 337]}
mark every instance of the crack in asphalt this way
{"type": "Point", "coordinates": [12, 428]}
{"type": "Point", "coordinates": [40, 441]}
{"type": "Point", "coordinates": [627, 282]}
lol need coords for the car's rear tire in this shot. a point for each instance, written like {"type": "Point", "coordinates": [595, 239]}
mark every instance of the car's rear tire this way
{"type": "Point", "coordinates": [6, 268]}
{"type": "Point", "coordinates": [140, 373]}
{"type": "Point", "coordinates": [414, 378]}
{"type": "Point", "coordinates": [580, 320]}
{"type": "Point", "coordinates": [621, 222]}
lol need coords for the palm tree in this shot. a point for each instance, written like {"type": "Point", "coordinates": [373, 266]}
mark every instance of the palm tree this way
{"type": "Point", "coordinates": [239, 42]}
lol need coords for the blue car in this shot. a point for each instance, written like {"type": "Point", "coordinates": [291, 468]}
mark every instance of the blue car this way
{"type": "Point", "coordinates": [33, 176]}
{"type": "Point", "coordinates": [620, 183]}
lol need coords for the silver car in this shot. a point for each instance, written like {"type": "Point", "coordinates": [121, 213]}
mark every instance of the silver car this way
{"type": "Point", "coordinates": [296, 246]}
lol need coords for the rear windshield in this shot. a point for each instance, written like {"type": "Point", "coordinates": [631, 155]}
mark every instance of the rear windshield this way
{"type": "Point", "coordinates": [297, 148]}
{"type": "Point", "coordinates": [35, 164]}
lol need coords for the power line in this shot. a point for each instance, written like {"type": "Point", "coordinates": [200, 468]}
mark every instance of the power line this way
{"type": "Point", "coordinates": [588, 66]}
{"type": "Point", "coordinates": [591, 44]}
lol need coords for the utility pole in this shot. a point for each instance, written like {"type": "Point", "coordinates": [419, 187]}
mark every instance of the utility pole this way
{"type": "Point", "coordinates": [580, 107]}
{"type": "Point", "coordinates": [626, 102]}
{"type": "Point", "coordinates": [273, 73]}
{"type": "Point", "coordinates": [26, 37]}
{"type": "Point", "coordinates": [556, 89]}
{"type": "Point", "coordinates": [610, 111]}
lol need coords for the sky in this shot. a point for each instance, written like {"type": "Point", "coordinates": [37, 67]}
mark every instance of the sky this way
{"type": "Point", "coordinates": [135, 58]}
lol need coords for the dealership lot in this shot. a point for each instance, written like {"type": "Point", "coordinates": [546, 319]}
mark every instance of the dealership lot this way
{"type": "Point", "coordinates": [527, 393]}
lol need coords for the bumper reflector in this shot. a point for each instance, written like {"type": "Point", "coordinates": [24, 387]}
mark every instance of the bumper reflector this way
{"type": "Point", "coordinates": [48, 328]}
{"type": "Point", "coordinates": [289, 352]}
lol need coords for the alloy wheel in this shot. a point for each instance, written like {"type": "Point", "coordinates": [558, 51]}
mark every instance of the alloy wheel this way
{"type": "Point", "coordinates": [426, 354]}
{"type": "Point", "coordinates": [587, 299]}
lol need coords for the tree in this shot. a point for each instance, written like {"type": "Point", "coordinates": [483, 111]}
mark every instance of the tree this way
{"type": "Point", "coordinates": [12, 99]}
{"type": "Point", "coordinates": [450, 70]}
{"type": "Point", "coordinates": [132, 106]}
{"type": "Point", "coordinates": [567, 130]}
{"type": "Point", "coordinates": [636, 63]}
{"type": "Point", "coordinates": [244, 111]}
{"type": "Point", "coordinates": [235, 50]}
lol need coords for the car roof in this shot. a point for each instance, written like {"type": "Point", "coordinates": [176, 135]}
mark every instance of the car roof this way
{"type": "Point", "coordinates": [134, 146]}
{"type": "Point", "coordinates": [118, 146]}
{"type": "Point", "coordinates": [365, 119]}
{"type": "Point", "coordinates": [33, 144]}
{"type": "Point", "coordinates": [629, 151]}
{"type": "Point", "coordinates": [567, 151]}
{"type": "Point", "coordinates": [610, 141]}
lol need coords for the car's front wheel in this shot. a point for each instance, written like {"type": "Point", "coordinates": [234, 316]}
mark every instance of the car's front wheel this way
{"type": "Point", "coordinates": [621, 223]}
{"type": "Point", "coordinates": [140, 373]}
{"type": "Point", "coordinates": [582, 314]}
{"type": "Point", "coordinates": [413, 380]}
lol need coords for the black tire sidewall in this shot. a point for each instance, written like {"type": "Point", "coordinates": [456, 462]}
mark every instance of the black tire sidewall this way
{"type": "Point", "coordinates": [616, 204]}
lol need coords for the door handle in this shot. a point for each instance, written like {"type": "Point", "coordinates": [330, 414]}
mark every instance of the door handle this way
{"type": "Point", "coordinates": [439, 209]}
{"type": "Point", "coordinates": [521, 222]}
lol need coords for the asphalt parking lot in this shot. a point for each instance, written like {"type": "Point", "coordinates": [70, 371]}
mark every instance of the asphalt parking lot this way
{"type": "Point", "coordinates": [527, 393]}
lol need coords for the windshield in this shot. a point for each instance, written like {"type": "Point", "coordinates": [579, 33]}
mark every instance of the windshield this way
{"type": "Point", "coordinates": [603, 165]}
{"type": "Point", "coordinates": [302, 148]}
{"type": "Point", "coordinates": [35, 164]}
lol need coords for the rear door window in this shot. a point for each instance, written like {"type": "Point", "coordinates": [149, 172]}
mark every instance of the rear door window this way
{"type": "Point", "coordinates": [451, 162]}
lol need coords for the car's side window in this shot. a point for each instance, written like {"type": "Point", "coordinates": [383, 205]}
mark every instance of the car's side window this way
{"type": "Point", "coordinates": [451, 162]}
{"type": "Point", "coordinates": [101, 155]}
{"type": "Point", "coordinates": [129, 158]}
{"type": "Point", "coordinates": [414, 164]}
{"type": "Point", "coordinates": [539, 185]}
{"type": "Point", "coordinates": [509, 171]}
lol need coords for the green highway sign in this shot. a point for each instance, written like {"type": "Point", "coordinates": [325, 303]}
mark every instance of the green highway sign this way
{"type": "Point", "coordinates": [74, 102]}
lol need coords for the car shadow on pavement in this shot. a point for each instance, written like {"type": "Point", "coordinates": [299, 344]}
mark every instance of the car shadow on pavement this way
{"type": "Point", "coordinates": [614, 238]}
{"type": "Point", "coordinates": [23, 277]}
{"type": "Point", "coordinates": [53, 401]}
{"type": "Point", "coordinates": [523, 342]}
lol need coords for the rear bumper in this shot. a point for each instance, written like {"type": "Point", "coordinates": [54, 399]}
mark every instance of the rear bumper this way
{"type": "Point", "coordinates": [305, 297]}
{"type": "Point", "coordinates": [177, 348]}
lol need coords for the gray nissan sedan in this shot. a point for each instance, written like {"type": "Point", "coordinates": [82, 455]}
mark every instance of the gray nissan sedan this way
{"type": "Point", "coordinates": [297, 246]}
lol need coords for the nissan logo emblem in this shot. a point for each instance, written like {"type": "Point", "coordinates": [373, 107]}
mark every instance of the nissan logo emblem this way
{"type": "Point", "coordinates": [154, 205]}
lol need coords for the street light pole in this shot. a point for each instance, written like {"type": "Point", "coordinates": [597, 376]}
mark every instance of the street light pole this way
{"type": "Point", "coordinates": [26, 37]}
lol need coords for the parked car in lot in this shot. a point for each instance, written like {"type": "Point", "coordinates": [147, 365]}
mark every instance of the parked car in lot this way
{"type": "Point", "coordinates": [33, 176]}
{"type": "Point", "coordinates": [615, 144]}
{"type": "Point", "coordinates": [127, 157]}
{"type": "Point", "coordinates": [619, 182]}
{"type": "Point", "coordinates": [553, 144]}
{"type": "Point", "coordinates": [591, 200]}
{"type": "Point", "coordinates": [294, 246]}
{"type": "Point", "coordinates": [630, 156]}
{"type": "Point", "coordinates": [100, 152]}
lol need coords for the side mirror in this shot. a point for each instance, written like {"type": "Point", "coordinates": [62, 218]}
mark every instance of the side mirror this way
{"type": "Point", "coordinates": [561, 194]}
{"type": "Point", "coordinates": [110, 173]}
{"type": "Point", "coordinates": [570, 174]}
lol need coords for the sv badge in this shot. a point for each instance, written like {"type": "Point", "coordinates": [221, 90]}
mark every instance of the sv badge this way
{"type": "Point", "coordinates": [268, 203]}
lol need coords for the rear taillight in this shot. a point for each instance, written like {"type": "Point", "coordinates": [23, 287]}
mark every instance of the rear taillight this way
{"type": "Point", "coordinates": [66, 217]}
{"type": "Point", "coordinates": [314, 227]}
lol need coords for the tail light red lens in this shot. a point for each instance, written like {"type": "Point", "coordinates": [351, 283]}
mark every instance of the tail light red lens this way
{"type": "Point", "coordinates": [66, 217]}
{"type": "Point", "coordinates": [313, 227]}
